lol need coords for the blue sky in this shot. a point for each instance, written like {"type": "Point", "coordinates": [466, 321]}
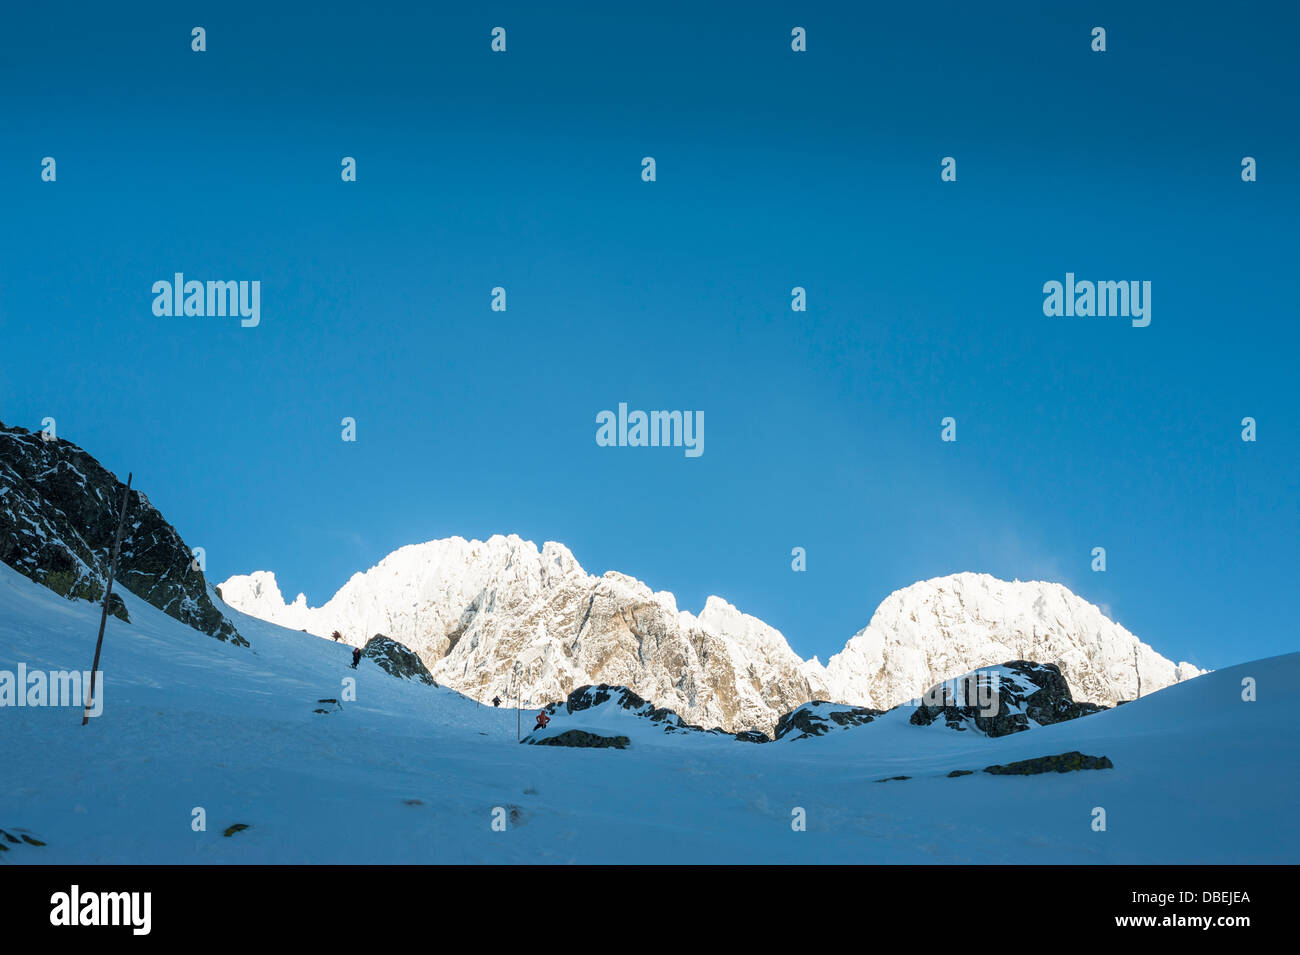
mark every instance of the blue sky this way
{"type": "Point", "coordinates": [775, 169]}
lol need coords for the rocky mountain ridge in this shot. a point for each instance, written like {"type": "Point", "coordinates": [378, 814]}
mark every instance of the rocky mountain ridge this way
{"type": "Point", "coordinates": [487, 617]}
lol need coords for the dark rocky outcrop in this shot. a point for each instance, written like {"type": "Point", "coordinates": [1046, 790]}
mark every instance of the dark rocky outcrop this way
{"type": "Point", "coordinates": [584, 739]}
{"type": "Point", "coordinates": [994, 701]}
{"type": "Point", "coordinates": [814, 719]}
{"type": "Point", "coordinates": [58, 516]}
{"type": "Point", "coordinates": [1061, 763]}
{"type": "Point", "coordinates": [589, 697]}
{"type": "Point", "coordinates": [586, 697]}
{"type": "Point", "coordinates": [397, 659]}
{"type": "Point", "coordinates": [1022, 692]}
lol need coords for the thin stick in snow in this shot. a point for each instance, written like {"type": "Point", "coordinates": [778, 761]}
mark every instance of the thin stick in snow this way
{"type": "Point", "coordinates": [108, 593]}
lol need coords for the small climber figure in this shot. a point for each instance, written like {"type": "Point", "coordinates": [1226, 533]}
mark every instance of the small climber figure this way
{"type": "Point", "coordinates": [496, 701]}
{"type": "Point", "coordinates": [542, 720]}
{"type": "Point", "coordinates": [356, 657]}
{"type": "Point", "coordinates": [337, 636]}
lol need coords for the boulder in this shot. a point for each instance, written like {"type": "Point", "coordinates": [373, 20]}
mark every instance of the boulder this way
{"type": "Point", "coordinates": [1003, 699]}
{"type": "Point", "coordinates": [815, 719]}
{"type": "Point", "coordinates": [397, 659]}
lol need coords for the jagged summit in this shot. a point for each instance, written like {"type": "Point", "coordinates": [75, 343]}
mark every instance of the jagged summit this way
{"type": "Point", "coordinates": [473, 609]}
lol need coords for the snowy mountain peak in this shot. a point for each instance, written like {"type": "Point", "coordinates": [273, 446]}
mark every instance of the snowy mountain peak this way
{"type": "Point", "coordinates": [939, 628]}
{"type": "Point", "coordinates": [501, 617]}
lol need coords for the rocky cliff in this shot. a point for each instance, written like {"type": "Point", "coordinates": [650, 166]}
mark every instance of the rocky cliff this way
{"type": "Point", "coordinates": [59, 512]}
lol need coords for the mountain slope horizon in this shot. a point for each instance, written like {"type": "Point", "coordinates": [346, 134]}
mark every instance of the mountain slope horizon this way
{"type": "Point", "coordinates": [473, 609]}
{"type": "Point", "coordinates": [191, 721]}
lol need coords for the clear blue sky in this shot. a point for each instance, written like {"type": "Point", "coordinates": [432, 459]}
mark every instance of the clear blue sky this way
{"type": "Point", "coordinates": [775, 169]}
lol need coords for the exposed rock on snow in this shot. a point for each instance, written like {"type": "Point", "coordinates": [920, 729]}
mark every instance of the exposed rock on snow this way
{"type": "Point", "coordinates": [1062, 763]}
{"type": "Point", "coordinates": [583, 740]}
{"type": "Point", "coordinates": [396, 659]}
{"type": "Point", "coordinates": [603, 707]}
{"type": "Point", "coordinates": [819, 717]}
{"type": "Point", "coordinates": [1021, 695]}
{"type": "Point", "coordinates": [1003, 699]}
{"type": "Point", "coordinates": [473, 610]}
{"type": "Point", "coordinates": [59, 511]}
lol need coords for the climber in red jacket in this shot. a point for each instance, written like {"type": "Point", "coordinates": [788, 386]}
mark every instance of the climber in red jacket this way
{"type": "Point", "coordinates": [542, 720]}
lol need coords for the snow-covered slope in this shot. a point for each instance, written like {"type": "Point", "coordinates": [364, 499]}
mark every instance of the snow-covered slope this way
{"type": "Point", "coordinates": [471, 609]}
{"type": "Point", "coordinates": [411, 773]}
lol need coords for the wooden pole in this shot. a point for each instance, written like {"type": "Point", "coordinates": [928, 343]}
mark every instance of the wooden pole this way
{"type": "Point", "coordinates": [108, 593]}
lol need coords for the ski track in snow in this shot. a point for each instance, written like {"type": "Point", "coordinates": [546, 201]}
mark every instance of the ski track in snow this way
{"type": "Point", "coordinates": [1200, 776]}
